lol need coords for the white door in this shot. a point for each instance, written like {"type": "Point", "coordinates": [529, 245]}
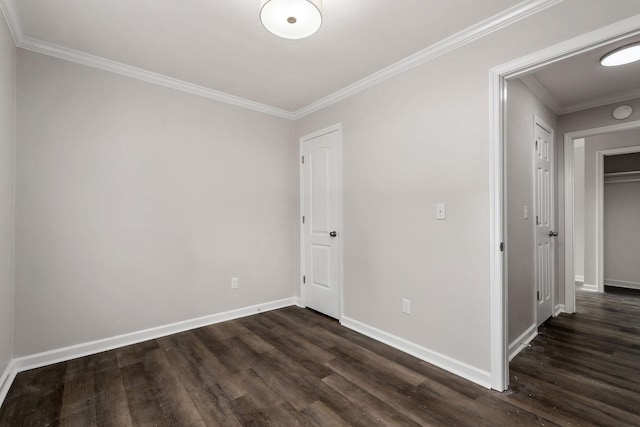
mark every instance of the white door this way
{"type": "Point", "coordinates": [321, 219]}
{"type": "Point", "coordinates": [545, 233]}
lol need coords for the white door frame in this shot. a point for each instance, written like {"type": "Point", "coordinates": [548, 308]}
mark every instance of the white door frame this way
{"type": "Point", "coordinates": [497, 112]}
{"type": "Point", "coordinates": [569, 178]}
{"type": "Point", "coordinates": [333, 128]}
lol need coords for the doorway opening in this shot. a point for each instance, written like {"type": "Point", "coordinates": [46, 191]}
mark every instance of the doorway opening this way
{"type": "Point", "coordinates": [569, 206]}
{"type": "Point", "coordinates": [499, 247]}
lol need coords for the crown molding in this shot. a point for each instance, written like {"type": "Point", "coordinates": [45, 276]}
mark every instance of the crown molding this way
{"type": "Point", "coordinates": [541, 92]}
{"type": "Point", "coordinates": [10, 13]}
{"type": "Point", "coordinates": [147, 76]}
{"type": "Point", "coordinates": [474, 32]}
{"type": "Point", "coordinates": [600, 102]}
{"type": "Point", "coordinates": [466, 36]}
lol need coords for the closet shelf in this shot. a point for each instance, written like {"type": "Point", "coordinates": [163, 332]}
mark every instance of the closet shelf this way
{"type": "Point", "coordinates": [616, 177]}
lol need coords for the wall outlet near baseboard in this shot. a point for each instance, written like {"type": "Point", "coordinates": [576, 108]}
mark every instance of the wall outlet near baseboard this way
{"type": "Point", "coordinates": [234, 283]}
{"type": "Point", "coordinates": [406, 306]}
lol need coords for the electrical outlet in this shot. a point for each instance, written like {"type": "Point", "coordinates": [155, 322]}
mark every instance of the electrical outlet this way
{"type": "Point", "coordinates": [406, 306]}
{"type": "Point", "coordinates": [234, 283]}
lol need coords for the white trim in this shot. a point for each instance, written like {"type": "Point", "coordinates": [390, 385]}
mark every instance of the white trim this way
{"type": "Point", "coordinates": [522, 341]}
{"type": "Point", "coordinates": [466, 36]}
{"type": "Point", "coordinates": [600, 221]}
{"type": "Point", "coordinates": [579, 279]}
{"type": "Point", "coordinates": [10, 13]}
{"type": "Point", "coordinates": [560, 308]}
{"type": "Point", "coordinates": [83, 58]}
{"type": "Point", "coordinates": [79, 350]}
{"type": "Point", "coordinates": [541, 92]}
{"type": "Point", "coordinates": [600, 102]}
{"type": "Point", "coordinates": [622, 283]}
{"type": "Point", "coordinates": [6, 380]}
{"type": "Point", "coordinates": [450, 364]}
{"type": "Point", "coordinates": [497, 265]}
{"type": "Point", "coordinates": [333, 128]}
{"type": "Point", "coordinates": [569, 218]}
{"type": "Point", "coordinates": [497, 76]}
{"type": "Point", "coordinates": [586, 287]}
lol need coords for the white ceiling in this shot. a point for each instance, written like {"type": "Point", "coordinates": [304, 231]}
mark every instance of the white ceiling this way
{"type": "Point", "coordinates": [580, 82]}
{"type": "Point", "coordinates": [221, 44]}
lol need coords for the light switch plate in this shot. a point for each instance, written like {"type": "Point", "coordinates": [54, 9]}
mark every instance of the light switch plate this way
{"type": "Point", "coordinates": [441, 211]}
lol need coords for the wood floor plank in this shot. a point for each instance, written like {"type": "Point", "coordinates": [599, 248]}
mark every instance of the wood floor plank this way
{"type": "Point", "coordinates": [35, 397]}
{"type": "Point", "coordinates": [78, 399]}
{"type": "Point", "coordinates": [144, 406]}
{"type": "Point", "coordinates": [206, 381]}
{"type": "Point", "coordinates": [112, 408]}
{"type": "Point", "coordinates": [381, 411]}
{"type": "Point", "coordinates": [295, 367]}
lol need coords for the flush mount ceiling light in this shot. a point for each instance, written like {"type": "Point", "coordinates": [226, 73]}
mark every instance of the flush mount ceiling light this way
{"type": "Point", "coordinates": [291, 19]}
{"type": "Point", "coordinates": [621, 56]}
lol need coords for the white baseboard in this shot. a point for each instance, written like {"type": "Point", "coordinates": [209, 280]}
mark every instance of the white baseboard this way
{"type": "Point", "coordinates": [586, 287]}
{"type": "Point", "coordinates": [457, 367]}
{"type": "Point", "coordinates": [6, 380]}
{"type": "Point", "coordinates": [560, 308]}
{"type": "Point", "coordinates": [579, 279]}
{"type": "Point", "coordinates": [622, 284]}
{"type": "Point", "coordinates": [67, 353]}
{"type": "Point", "coordinates": [522, 341]}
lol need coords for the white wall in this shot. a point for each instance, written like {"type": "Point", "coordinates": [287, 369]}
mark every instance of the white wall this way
{"type": "Point", "coordinates": [578, 208]}
{"type": "Point", "coordinates": [416, 140]}
{"type": "Point", "coordinates": [137, 204]}
{"type": "Point", "coordinates": [522, 106]}
{"type": "Point", "coordinates": [7, 139]}
{"type": "Point", "coordinates": [622, 234]}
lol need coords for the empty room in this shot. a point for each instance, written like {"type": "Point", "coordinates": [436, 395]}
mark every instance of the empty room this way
{"type": "Point", "coordinates": [316, 212]}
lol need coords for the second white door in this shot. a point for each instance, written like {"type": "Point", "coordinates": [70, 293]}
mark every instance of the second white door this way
{"type": "Point", "coordinates": [321, 221]}
{"type": "Point", "coordinates": [545, 234]}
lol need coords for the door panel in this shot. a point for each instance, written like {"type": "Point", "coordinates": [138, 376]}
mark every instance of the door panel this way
{"type": "Point", "coordinates": [321, 210]}
{"type": "Point", "coordinates": [545, 243]}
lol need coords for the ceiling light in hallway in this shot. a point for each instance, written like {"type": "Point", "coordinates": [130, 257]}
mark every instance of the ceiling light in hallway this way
{"type": "Point", "coordinates": [622, 56]}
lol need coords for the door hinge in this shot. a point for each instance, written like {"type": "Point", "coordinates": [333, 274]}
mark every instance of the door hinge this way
{"type": "Point", "coordinates": [303, 160]}
{"type": "Point", "coordinates": [501, 246]}
{"type": "Point", "coordinates": [304, 279]}
{"type": "Point", "coordinates": [537, 220]}
{"type": "Point", "coordinates": [303, 219]}
{"type": "Point", "coordinates": [538, 295]}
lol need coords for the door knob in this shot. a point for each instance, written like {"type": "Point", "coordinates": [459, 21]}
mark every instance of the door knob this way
{"type": "Point", "coordinates": [553, 234]}
{"type": "Point", "coordinates": [333, 234]}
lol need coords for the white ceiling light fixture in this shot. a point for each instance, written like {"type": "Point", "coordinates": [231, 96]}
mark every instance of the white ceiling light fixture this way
{"type": "Point", "coordinates": [622, 56]}
{"type": "Point", "coordinates": [291, 19]}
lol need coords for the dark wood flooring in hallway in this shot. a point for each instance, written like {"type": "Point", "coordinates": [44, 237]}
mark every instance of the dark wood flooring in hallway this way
{"type": "Point", "coordinates": [295, 367]}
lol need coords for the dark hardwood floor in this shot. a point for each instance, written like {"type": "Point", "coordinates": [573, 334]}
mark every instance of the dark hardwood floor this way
{"type": "Point", "coordinates": [296, 367]}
